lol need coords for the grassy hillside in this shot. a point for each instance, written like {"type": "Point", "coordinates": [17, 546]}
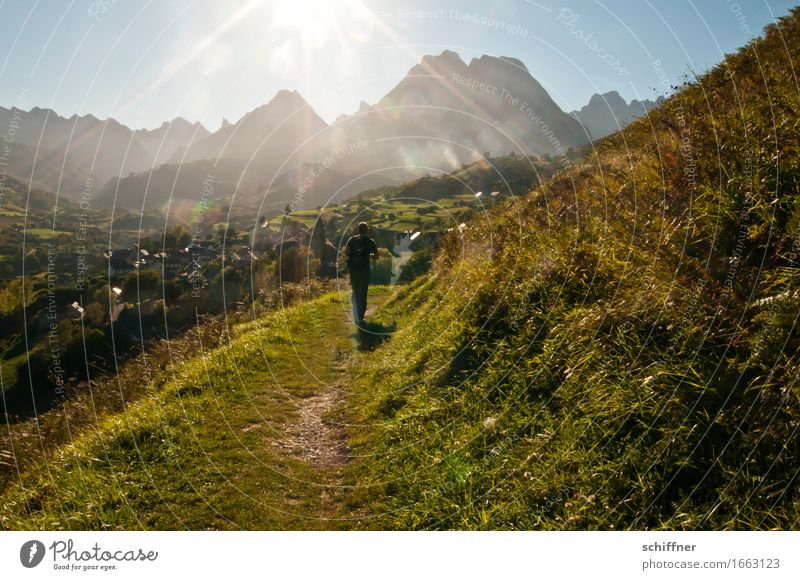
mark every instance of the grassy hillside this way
{"type": "Point", "coordinates": [247, 435]}
{"type": "Point", "coordinates": [619, 350]}
{"type": "Point", "coordinates": [436, 203]}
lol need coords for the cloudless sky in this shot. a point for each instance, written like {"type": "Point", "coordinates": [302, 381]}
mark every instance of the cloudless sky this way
{"type": "Point", "coordinates": [144, 62]}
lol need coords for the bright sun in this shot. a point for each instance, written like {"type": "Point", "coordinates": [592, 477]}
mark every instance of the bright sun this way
{"type": "Point", "coordinates": [295, 14]}
{"type": "Point", "coordinates": [317, 22]}
{"type": "Point", "coordinates": [302, 14]}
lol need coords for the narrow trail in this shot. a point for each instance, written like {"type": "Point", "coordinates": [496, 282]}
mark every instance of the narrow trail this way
{"type": "Point", "coordinates": [316, 434]}
{"type": "Point", "coordinates": [318, 438]}
{"type": "Point", "coordinates": [314, 439]}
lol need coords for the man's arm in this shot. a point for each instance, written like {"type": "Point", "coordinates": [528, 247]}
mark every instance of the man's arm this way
{"type": "Point", "coordinates": [374, 252]}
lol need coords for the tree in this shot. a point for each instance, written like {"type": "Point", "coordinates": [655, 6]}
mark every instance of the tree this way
{"type": "Point", "coordinates": [225, 234]}
{"type": "Point", "coordinates": [140, 283]}
{"type": "Point", "coordinates": [94, 315]}
{"type": "Point", "coordinates": [322, 251]}
{"type": "Point", "coordinates": [418, 264]}
{"type": "Point", "coordinates": [290, 265]}
{"type": "Point", "coordinates": [182, 237]}
{"type": "Point", "coordinates": [169, 241]}
{"type": "Point", "coordinates": [382, 268]}
{"type": "Point", "coordinates": [318, 238]}
{"type": "Point", "coordinates": [333, 225]}
{"type": "Point", "coordinates": [159, 310]}
{"type": "Point", "coordinates": [11, 297]}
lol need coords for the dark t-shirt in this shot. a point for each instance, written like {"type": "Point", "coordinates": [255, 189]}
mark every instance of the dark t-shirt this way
{"type": "Point", "coordinates": [358, 251]}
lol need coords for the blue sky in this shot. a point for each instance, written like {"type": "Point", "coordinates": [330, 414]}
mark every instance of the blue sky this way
{"type": "Point", "coordinates": [145, 62]}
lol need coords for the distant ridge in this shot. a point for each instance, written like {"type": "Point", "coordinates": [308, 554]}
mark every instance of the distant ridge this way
{"type": "Point", "coordinates": [87, 146]}
{"type": "Point", "coordinates": [608, 113]}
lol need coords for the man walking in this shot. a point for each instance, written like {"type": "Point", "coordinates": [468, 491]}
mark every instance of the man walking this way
{"type": "Point", "coordinates": [359, 250]}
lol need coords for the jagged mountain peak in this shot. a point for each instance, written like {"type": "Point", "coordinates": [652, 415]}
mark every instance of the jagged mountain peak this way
{"type": "Point", "coordinates": [497, 61]}
{"type": "Point", "coordinates": [284, 103]}
{"type": "Point", "coordinates": [446, 56]}
{"type": "Point", "coordinates": [609, 112]}
{"type": "Point", "coordinates": [181, 122]}
{"type": "Point", "coordinates": [610, 98]}
{"type": "Point", "coordinates": [438, 65]}
{"type": "Point", "coordinates": [288, 96]}
{"type": "Point", "coordinates": [264, 132]}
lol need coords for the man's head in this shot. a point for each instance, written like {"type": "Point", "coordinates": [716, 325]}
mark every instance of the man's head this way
{"type": "Point", "coordinates": [363, 228]}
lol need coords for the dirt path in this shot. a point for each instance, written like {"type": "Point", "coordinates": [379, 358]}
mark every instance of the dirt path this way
{"type": "Point", "coordinates": [314, 439]}
{"type": "Point", "coordinates": [317, 434]}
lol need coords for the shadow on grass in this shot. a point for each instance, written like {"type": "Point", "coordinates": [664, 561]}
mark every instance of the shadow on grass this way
{"type": "Point", "coordinates": [371, 334]}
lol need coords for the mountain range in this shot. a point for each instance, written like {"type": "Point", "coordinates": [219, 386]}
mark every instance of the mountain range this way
{"type": "Point", "coordinates": [59, 153]}
{"type": "Point", "coordinates": [442, 114]}
{"type": "Point", "coordinates": [608, 113]}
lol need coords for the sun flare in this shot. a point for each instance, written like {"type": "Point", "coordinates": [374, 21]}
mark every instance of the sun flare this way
{"type": "Point", "coordinates": [298, 14]}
